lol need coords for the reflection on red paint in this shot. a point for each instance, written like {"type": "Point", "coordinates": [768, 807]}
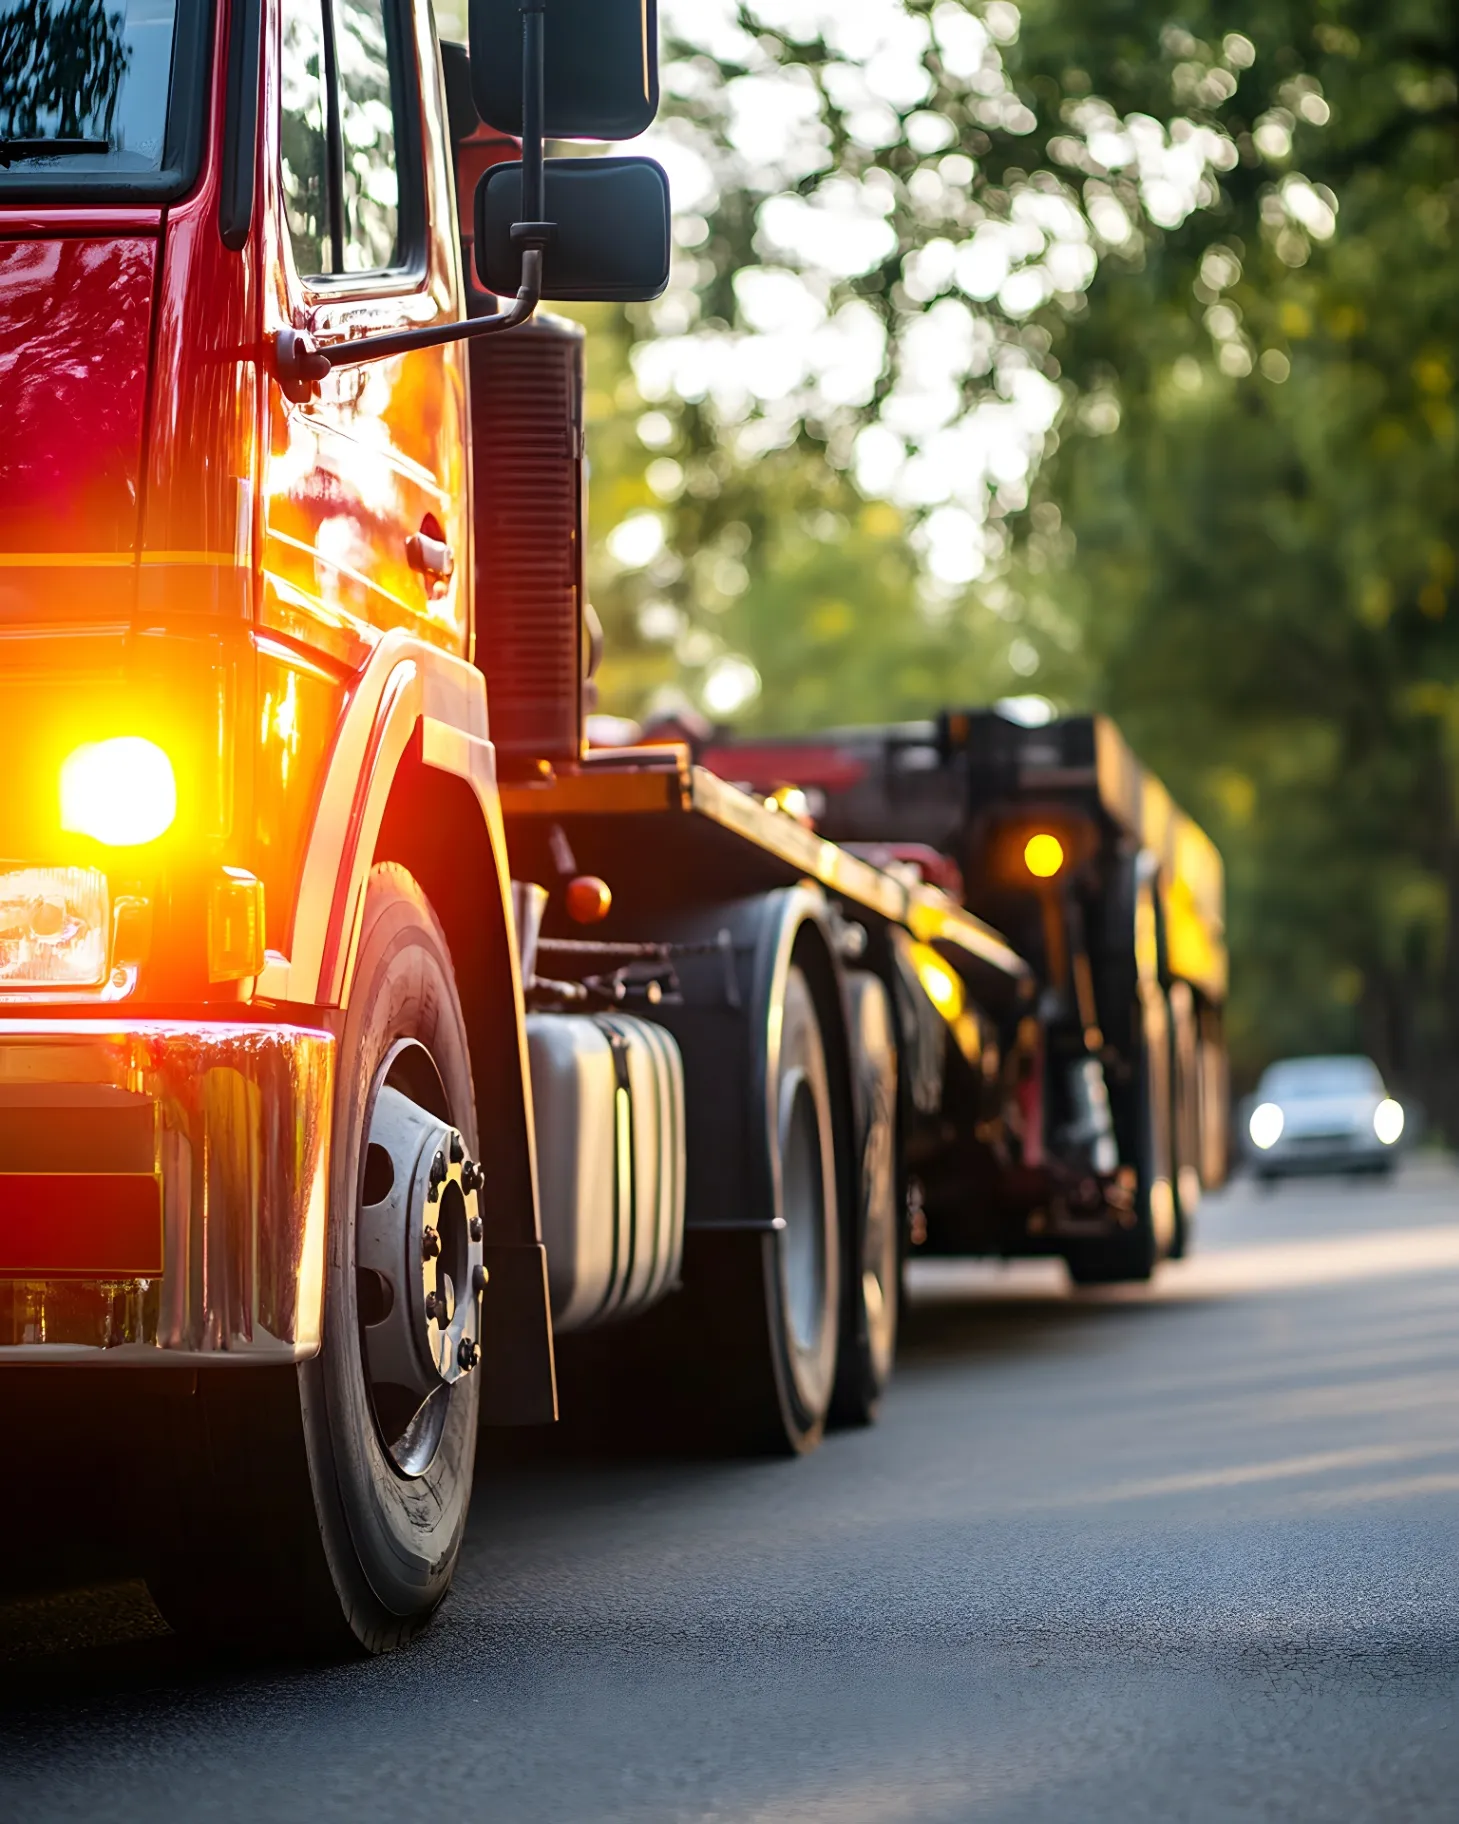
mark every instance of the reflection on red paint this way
{"type": "Point", "coordinates": [75, 317]}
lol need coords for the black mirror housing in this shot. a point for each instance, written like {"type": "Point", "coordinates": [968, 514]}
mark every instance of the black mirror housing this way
{"type": "Point", "coordinates": [601, 67]}
{"type": "Point", "coordinates": [610, 236]}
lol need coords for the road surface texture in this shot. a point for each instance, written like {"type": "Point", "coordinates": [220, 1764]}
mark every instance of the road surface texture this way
{"type": "Point", "coordinates": [1182, 1555]}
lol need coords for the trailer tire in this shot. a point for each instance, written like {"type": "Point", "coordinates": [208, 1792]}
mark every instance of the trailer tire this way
{"type": "Point", "coordinates": [765, 1306]}
{"type": "Point", "coordinates": [1133, 1253]}
{"type": "Point", "coordinates": [871, 1297]}
{"type": "Point", "coordinates": [1185, 1115]}
{"type": "Point", "coordinates": [297, 1523]}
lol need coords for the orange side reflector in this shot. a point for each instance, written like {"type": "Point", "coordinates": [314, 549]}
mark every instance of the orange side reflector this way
{"type": "Point", "coordinates": [235, 926]}
{"type": "Point", "coordinates": [589, 900]}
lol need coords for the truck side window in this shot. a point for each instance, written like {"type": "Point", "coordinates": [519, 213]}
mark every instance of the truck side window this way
{"type": "Point", "coordinates": [304, 136]}
{"type": "Point", "coordinates": [342, 96]}
{"type": "Point", "coordinates": [367, 127]}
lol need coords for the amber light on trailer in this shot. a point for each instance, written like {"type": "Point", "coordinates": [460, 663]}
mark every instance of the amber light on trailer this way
{"type": "Point", "coordinates": [1043, 855]}
{"type": "Point", "coordinates": [1039, 851]}
{"type": "Point", "coordinates": [944, 987]}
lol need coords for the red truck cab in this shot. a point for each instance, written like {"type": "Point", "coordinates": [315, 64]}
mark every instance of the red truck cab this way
{"type": "Point", "coordinates": [283, 495]}
{"type": "Point", "coordinates": [251, 809]}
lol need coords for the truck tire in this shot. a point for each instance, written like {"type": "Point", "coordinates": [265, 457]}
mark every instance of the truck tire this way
{"type": "Point", "coordinates": [871, 1295]}
{"type": "Point", "coordinates": [315, 1511]}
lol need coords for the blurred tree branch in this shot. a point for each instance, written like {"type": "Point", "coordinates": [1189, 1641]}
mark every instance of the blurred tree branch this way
{"type": "Point", "coordinates": [1094, 350]}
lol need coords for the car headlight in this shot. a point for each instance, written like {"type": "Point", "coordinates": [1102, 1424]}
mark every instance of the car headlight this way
{"type": "Point", "coordinates": [55, 927]}
{"type": "Point", "coordinates": [1388, 1121]}
{"type": "Point", "coordinates": [120, 792]}
{"type": "Point", "coordinates": [1265, 1126]}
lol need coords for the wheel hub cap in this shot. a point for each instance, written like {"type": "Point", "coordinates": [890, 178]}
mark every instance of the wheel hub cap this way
{"type": "Point", "coordinates": [420, 1236]}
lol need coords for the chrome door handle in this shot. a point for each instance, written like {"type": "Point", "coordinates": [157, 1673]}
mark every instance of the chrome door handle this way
{"type": "Point", "coordinates": [433, 557]}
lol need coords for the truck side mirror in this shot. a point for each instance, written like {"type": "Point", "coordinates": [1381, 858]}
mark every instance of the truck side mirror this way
{"type": "Point", "coordinates": [610, 229]}
{"type": "Point", "coordinates": [601, 66]}
{"type": "Point", "coordinates": [569, 228]}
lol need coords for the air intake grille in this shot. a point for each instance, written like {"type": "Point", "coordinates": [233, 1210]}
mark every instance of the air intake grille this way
{"type": "Point", "coordinates": [526, 404]}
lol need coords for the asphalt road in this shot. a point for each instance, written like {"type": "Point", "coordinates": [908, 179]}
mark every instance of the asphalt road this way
{"type": "Point", "coordinates": [1181, 1555]}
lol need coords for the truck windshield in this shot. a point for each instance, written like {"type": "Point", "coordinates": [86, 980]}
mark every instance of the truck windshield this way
{"type": "Point", "coordinates": [97, 97]}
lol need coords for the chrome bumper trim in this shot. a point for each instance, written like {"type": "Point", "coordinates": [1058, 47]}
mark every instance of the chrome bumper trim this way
{"type": "Point", "coordinates": [243, 1114]}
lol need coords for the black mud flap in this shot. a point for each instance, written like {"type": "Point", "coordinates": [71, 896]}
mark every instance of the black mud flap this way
{"type": "Point", "coordinates": [519, 1378]}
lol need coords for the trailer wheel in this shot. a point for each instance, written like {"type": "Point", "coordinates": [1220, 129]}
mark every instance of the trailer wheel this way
{"type": "Point", "coordinates": [765, 1307]}
{"type": "Point", "coordinates": [870, 1300]}
{"type": "Point", "coordinates": [1185, 1115]}
{"type": "Point", "coordinates": [1133, 1253]}
{"type": "Point", "coordinates": [322, 1508]}
{"type": "Point", "coordinates": [803, 1283]}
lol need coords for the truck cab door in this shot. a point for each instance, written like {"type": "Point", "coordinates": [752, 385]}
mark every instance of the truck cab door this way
{"type": "Point", "coordinates": [366, 487]}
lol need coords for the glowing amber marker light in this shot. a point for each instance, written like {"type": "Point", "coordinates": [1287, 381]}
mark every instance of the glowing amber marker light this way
{"type": "Point", "coordinates": [121, 792]}
{"type": "Point", "coordinates": [942, 986]}
{"type": "Point", "coordinates": [1043, 855]}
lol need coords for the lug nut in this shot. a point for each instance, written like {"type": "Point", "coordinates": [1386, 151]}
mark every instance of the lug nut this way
{"type": "Point", "coordinates": [469, 1354]}
{"type": "Point", "coordinates": [430, 1242]}
{"type": "Point", "coordinates": [438, 1168]}
{"type": "Point", "coordinates": [433, 1304]}
{"type": "Point", "coordinates": [475, 1228]}
{"type": "Point", "coordinates": [458, 1151]}
{"type": "Point", "coordinates": [479, 1277]}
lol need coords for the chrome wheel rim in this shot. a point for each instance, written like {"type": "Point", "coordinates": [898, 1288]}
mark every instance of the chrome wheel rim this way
{"type": "Point", "coordinates": [419, 1258]}
{"type": "Point", "coordinates": [803, 1210]}
{"type": "Point", "coordinates": [879, 1261]}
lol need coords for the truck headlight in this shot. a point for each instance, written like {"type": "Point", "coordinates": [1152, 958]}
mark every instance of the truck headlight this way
{"type": "Point", "coordinates": [1388, 1121]}
{"type": "Point", "coordinates": [54, 927]}
{"type": "Point", "coordinates": [120, 792]}
{"type": "Point", "coordinates": [1265, 1125]}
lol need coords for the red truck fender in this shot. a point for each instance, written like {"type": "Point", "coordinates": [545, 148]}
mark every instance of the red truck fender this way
{"type": "Point", "coordinates": [412, 779]}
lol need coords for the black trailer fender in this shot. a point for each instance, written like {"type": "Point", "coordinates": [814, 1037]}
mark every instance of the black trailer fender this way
{"type": "Point", "coordinates": [732, 987]}
{"type": "Point", "coordinates": [744, 971]}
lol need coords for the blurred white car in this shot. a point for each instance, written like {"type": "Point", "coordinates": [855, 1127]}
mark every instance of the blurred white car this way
{"type": "Point", "coordinates": [1322, 1115]}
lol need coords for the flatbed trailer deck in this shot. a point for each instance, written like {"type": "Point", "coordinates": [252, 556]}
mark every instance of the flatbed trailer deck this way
{"type": "Point", "coordinates": [626, 809]}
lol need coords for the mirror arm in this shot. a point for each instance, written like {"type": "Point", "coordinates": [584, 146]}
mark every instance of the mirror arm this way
{"type": "Point", "coordinates": [301, 364]}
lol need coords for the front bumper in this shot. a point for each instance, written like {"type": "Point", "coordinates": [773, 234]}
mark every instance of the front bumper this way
{"type": "Point", "coordinates": [1299, 1154]}
{"type": "Point", "coordinates": [163, 1190]}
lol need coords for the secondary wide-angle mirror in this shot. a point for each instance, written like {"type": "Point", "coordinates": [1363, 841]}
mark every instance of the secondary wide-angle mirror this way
{"type": "Point", "coordinates": [601, 67]}
{"type": "Point", "coordinates": [610, 236]}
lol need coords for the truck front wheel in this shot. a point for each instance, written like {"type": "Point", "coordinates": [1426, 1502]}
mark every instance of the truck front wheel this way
{"type": "Point", "coordinates": [323, 1508]}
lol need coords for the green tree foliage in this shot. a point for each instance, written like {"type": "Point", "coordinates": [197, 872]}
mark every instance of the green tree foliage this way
{"type": "Point", "coordinates": [1266, 545]}
{"type": "Point", "coordinates": [1102, 347]}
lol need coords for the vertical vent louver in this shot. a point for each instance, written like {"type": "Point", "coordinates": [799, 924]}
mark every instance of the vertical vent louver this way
{"type": "Point", "coordinates": [526, 407]}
